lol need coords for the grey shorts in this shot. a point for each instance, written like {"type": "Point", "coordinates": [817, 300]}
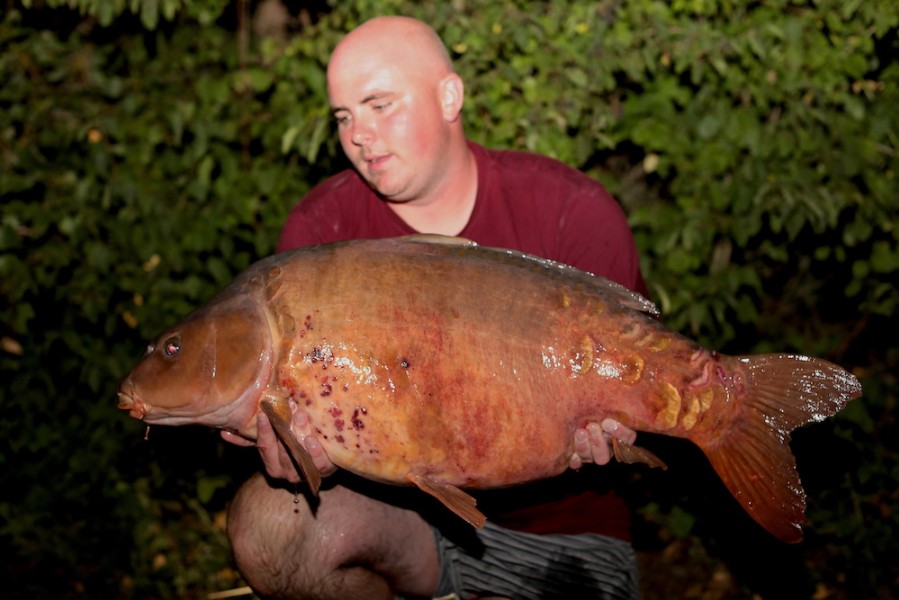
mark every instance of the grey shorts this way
{"type": "Point", "coordinates": [526, 566]}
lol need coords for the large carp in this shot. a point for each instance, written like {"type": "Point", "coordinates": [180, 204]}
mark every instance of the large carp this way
{"type": "Point", "coordinates": [435, 362]}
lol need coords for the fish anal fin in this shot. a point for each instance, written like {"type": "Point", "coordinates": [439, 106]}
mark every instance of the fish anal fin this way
{"type": "Point", "coordinates": [452, 497]}
{"type": "Point", "coordinates": [628, 454]}
{"type": "Point", "coordinates": [278, 412]}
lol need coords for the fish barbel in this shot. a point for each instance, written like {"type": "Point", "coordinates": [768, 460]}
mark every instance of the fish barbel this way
{"type": "Point", "coordinates": [439, 363]}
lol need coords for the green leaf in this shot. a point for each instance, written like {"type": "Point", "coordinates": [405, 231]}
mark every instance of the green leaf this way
{"type": "Point", "coordinates": [149, 13]}
{"type": "Point", "coordinates": [208, 486]}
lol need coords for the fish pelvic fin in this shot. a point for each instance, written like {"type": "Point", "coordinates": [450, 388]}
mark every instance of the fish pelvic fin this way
{"type": "Point", "coordinates": [628, 454]}
{"type": "Point", "coordinates": [753, 457]}
{"type": "Point", "coordinates": [278, 412]}
{"type": "Point", "coordinates": [452, 497]}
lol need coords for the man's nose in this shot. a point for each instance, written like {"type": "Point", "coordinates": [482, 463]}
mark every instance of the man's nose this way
{"type": "Point", "coordinates": [362, 134]}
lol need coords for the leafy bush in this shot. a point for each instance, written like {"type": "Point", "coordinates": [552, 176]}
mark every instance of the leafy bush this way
{"type": "Point", "coordinates": [150, 152]}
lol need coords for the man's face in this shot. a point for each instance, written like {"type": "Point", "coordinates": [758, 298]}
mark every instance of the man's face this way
{"type": "Point", "coordinates": [390, 122]}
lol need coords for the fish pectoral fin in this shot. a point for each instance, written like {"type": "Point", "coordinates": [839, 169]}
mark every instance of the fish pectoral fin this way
{"type": "Point", "coordinates": [278, 412]}
{"type": "Point", "coordinates": [628, 454]}
{"type": "Point", "coordinates": [452, 497]}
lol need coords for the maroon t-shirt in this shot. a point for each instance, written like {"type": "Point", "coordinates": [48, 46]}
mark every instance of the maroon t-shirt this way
{"type": "Point", "coordinates": [525, 202]}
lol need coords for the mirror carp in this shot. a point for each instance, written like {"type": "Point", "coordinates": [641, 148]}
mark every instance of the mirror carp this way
{"type": "Point", "coordinates": [442, 364]}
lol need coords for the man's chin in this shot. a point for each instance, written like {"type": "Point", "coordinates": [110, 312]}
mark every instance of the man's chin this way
{"type": "Point", "coordinates": [390, 193]}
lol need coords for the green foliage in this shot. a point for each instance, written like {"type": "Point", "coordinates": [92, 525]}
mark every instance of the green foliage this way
{"type": "Point", "coordinates": [148, 154]}
{"type": "Point", "coordinates": [150, 12]}
{"type": "Point", "coordinates": [131, 192]}
{"type": "Point", "coordinates": [869, 485]}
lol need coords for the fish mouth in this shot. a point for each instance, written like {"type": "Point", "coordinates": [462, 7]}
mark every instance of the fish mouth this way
{"type": "Point", "coordinates": [136, 407]}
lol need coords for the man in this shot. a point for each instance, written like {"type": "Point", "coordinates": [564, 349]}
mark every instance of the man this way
{"type": "Point", "coordinates": [398, 102]}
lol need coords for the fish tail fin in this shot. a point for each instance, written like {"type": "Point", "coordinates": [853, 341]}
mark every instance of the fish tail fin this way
{"type": "Point", "coordinates": [753, 458]}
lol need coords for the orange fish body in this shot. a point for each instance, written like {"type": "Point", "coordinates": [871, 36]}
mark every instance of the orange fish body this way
{"type": "Point", "coordinates": [436, 362]}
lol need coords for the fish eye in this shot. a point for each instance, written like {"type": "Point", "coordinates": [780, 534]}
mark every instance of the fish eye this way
{"type": "Point", "coordinates": [172, 346]}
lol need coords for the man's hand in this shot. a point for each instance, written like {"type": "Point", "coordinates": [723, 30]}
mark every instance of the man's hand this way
{"type": "Point", "coordinates": [274, 455]}
{"type": "Point", "coordinates": [593, 442]}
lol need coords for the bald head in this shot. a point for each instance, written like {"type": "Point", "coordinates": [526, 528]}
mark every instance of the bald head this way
{"type": "Point", "coordinates": [402, 41]}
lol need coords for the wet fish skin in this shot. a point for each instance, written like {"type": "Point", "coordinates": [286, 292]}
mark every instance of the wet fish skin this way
{"type": "Point", "coordinates": [439, 363]}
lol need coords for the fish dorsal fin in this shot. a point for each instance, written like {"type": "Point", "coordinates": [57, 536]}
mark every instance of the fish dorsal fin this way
{"type": "Point", "coordinates": [625, 297]}
{"type": "Point", "coordinates": [278, 412]}
{"type": "Point", "coordinates": [614, 292]}
{"type": "Point", "coordinates": [452, 497]}
{"type": "Point", "coordinates": [434, 238]}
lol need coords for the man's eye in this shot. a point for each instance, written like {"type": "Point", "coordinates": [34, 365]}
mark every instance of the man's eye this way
{"type": "Point", "coordinates": [382, 106]}
{"type": "Point", "coordinates": [342, 120]}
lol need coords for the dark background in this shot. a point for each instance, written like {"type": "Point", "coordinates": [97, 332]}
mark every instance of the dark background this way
{"type": "Point", "coordinates": [150, 150]}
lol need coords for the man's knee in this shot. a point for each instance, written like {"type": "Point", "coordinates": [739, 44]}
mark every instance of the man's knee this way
{"type": "Point", "coordinates": [267, 528]}
{"type": "Point", "coordinates": [350, 546]}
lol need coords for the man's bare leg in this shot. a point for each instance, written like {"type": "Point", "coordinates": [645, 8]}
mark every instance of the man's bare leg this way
{"type": "Point", "coordinates": [352, 547]}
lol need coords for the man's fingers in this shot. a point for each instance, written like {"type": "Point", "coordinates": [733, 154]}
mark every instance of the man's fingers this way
{"type": "Point", "coordinates": [591, 445]}
{"type": "Point", "coordinates": [300, 425]}
{"type": "Point", "coordinates": [319, 456]}
{"type": "Point", "coordinates": [619, 431]}
{"type": "Point", "coordinates": [299, 420]}
{"type": "Point", "coordinates": [599, 444]}
{"type": "Point", "coordinates": [277, 462]}
{"type": "Point", "coordinates": [581, 449]}
{"type": "Point", "coordinates": [235, 439]}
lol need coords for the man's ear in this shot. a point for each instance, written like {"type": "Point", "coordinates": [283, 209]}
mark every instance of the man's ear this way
{"type": "Point", "coordinates": [452, 95]}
